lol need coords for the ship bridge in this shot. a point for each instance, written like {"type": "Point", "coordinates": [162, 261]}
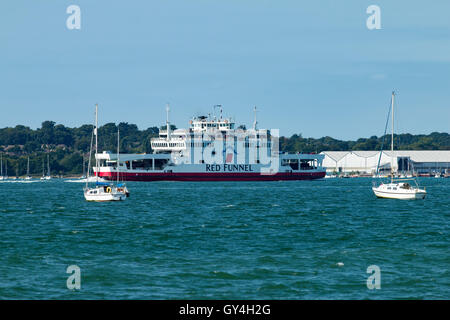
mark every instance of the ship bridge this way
{"type": "Point", "coordinates": [169, 141]}
{"type": "Point", "coordinates": [205, 124]}
{"type": "Point", "coordinates": [204, 130]}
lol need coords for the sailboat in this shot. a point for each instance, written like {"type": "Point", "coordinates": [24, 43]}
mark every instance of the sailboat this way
{"type": "Point", "coordinates": [84, 174]}
{"type": "Point", "coordinates": [1, 168]}
{"type": "Point", "coordinates": [102, 191]}
{"type": "Point", "coordinates": [438, 172]}
{"type": "Point", "coordinates": [48, 176]}
{"type": "Point", "coordinates": [43, 170]}
{"type": "Point", "coordinates": [28, 177]}
{"type": "Point", "coordinates": [5, 177]}
{"type": "Point", "coordinates": [397, 188]}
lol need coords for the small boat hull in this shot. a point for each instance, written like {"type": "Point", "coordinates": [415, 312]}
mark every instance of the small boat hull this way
{"type": "Point", "coordinates": [402, 195]}
{"type": "Point", "coordinates": [102, 195]}
{"type": "Point", "coordinates": [103, 198]}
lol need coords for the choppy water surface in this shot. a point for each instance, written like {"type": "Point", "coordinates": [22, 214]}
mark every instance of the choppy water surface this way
{"type": "Point", "coordinates": [235, 240]}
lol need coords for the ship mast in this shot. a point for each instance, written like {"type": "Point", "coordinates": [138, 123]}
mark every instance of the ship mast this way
{"type": "Point", "coordinates": [255, 123]}
{"type": "Point", "coordinates": [167, 122]}
{"type": "Point", "coordinates": [220, 109]}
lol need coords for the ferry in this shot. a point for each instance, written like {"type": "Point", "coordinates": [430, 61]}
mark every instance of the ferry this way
{"type": "Point", "coordinates": [212, 149]}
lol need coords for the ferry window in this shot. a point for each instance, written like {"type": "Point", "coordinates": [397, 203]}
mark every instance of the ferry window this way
{"type": "Point", "coordinates": [389, 188]}
{"type": "Point", "coordinates": [395, 188]}
{"type": "Point", "coordinates": [144, 164]}
{"type": "Point", "coordinates": [306, 164]}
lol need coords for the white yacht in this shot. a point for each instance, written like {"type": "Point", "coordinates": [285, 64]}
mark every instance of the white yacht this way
{"type": "Point", "coordinates": [84, 174]}
{"type": "Point", "coordinates": [48, 176]}
{"type": "Point", "coordinates": [398, 188]}
{"type": "Point", "coordinates": [2, 177]}
{"type": "Point", "coordinates": [103, 191]}
{"type": "Point", "coordinates": [28, 177]}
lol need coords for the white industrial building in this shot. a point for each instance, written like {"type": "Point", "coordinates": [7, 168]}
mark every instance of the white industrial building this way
{"type": "Point", "coordinates": [426, 161]}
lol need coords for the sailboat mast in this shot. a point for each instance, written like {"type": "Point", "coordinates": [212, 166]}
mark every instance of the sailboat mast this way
{"type": "Point", "coordinates": [1, 165]}
{"type": "Point", "coordinates": [96, 141]}
{"type": "Point", "coordinates": [90, 157]}
{"type": "Point", "coordinates": [28, 167]}
{"type": "Point", "coordinates": [48, 165]}
{"type": "Point", "coordinates": [392, 137]}
{"type": "Point", "coordinates": [118, 154]}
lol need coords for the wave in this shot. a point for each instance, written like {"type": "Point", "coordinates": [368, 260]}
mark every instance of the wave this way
{"type": "Point", "coordinates": [19, 181]}
{"type": "Point", "coordinates": [90, 179]}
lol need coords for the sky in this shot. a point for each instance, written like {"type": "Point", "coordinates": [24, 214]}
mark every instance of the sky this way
{"type": "Point", "coordinates": [310, 67]}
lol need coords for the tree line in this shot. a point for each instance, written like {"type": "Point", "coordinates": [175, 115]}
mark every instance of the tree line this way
{"type": "Point", "coordinates": [406, 141]}
{"type": "Point", "coordinates": [68, 147]}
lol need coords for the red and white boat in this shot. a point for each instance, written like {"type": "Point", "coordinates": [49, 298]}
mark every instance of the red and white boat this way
{"type": "Point", "coordinates": [212, 149]}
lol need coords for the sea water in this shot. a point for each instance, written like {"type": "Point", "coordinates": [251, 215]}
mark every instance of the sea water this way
{"type": "Point", "coordinates": [224, 240]}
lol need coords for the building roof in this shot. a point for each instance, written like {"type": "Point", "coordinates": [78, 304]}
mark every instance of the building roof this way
{"type": "Point", "coordinates": [414, 155]}
{"type": "Point", "coordinates": [336, 155]}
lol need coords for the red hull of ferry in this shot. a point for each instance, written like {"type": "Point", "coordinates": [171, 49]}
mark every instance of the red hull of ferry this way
{"type": "Point", "coordinates": [144, 176]}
